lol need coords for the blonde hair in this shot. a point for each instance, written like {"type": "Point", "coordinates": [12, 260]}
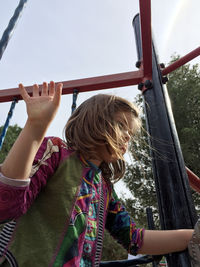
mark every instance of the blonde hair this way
{"type": "Point", "coordinates": [93, 124]}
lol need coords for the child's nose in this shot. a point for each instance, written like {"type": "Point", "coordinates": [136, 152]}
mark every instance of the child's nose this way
{"type": "Point", "coordinates": [127, 136]}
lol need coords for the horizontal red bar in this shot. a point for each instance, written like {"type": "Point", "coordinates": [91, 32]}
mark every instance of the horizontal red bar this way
{"type": "Point", "coordinates": [193, 180]}
{"type": "Point", "coordinates": [180, 62]}
{"type": "Point", "coordinates": [84, 85]}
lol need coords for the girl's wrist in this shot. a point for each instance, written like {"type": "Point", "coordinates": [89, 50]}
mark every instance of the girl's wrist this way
{"type": "Point", "coordinates": [37, 128]}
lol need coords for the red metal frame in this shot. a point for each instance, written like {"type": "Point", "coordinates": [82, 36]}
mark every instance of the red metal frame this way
{"type": "Point", "coordinates": [193, 180]}
{"type": "Point", "coordinates": [84, 85]}
{"type": "Point", "coordinates": [108, 81]}
{"type": "Point", "coordinates": [145, 20]}
{"type": "Point", "coordinates": [122, 79]}
{"type": "Point", "coordinates": [180, 62]}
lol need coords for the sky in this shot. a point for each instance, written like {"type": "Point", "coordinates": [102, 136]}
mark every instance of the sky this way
{"type": "Point", "coordinates": [64, 40]}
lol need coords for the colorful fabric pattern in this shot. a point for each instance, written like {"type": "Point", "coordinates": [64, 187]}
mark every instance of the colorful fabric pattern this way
{"type": "Point", "coordinates": [61, 206]}
{"type": "Point", "coordinates": [122, 227]}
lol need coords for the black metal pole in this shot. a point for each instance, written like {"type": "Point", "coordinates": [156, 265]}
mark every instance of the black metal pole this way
{"type": "Point", "coordinates": [173, 192]}
{"type": "Point", "coordinates": [151, 226]}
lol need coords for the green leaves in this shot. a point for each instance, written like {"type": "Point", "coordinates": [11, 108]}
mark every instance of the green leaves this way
{"type": "Point", "coordinates": [184, 92]}
{"type": "Point", "coordinates": [11, 135]}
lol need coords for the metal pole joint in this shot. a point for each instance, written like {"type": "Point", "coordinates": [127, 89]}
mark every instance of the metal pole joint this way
{"type": "Point", "coordinates": [146, 85]}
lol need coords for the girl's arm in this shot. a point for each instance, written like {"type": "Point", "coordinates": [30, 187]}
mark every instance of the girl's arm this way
{"type": "Point", "coordinates": [164, 242]}
{"type": "Point", "coordinates": [152, 242]}
{"type": "Point", "coordinates": [41, 110]}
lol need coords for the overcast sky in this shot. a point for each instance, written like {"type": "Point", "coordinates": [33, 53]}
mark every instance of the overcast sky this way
{"type": "Point", "coordinates": [71, 39]}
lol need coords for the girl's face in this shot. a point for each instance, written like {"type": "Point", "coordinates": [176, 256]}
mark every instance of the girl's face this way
{"type": "Point", "coordinates": [125, 123]}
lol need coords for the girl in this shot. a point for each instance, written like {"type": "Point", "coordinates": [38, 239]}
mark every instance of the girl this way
{"type": "Point", "coordinates": [60, 193]}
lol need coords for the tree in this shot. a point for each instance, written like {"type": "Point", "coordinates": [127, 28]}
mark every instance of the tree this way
{"type": "Point", "coordinates": [139, 178]}
{"type": "Point", "coordinates": [184, 91]}
{"type": "Point", "coordinates": [111, 249]}
{"type": "Point", "coordinates": [11, 136]}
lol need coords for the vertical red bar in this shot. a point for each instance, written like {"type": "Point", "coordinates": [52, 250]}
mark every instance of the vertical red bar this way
{"type": "Point", "coordinates": [145, 18]}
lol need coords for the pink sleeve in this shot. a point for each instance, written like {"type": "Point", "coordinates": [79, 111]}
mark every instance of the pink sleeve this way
{"type": "Point", "coordinates": [16, 196]}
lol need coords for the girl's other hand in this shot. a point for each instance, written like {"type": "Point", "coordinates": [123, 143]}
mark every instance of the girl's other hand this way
{"type": "Point", "coordinates": [42, 108]}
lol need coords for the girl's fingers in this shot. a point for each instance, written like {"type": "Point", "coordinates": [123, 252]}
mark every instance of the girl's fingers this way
{"type": "Point", "coordinates": [23, 92]}
{"type": "Point", "coordinates": [54, 93]}
{"type": "Point", "coordinates": [57, 95]}
{"type": "Point", "coordinates": [35, 90]}
{"type": "Point", "coordinates": [44, 89]}
{"type": "Point", "coordinates": [51, 88]}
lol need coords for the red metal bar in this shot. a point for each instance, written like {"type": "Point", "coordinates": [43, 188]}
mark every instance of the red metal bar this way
{"type": "Point", "coordinates": [145, 18]}
{"type": "Point", "coordinates": [180, 62]}
{"type": "Point", "coordinates": [193, 180]}
{"type": "Point", "coordinates": [84, 85]}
